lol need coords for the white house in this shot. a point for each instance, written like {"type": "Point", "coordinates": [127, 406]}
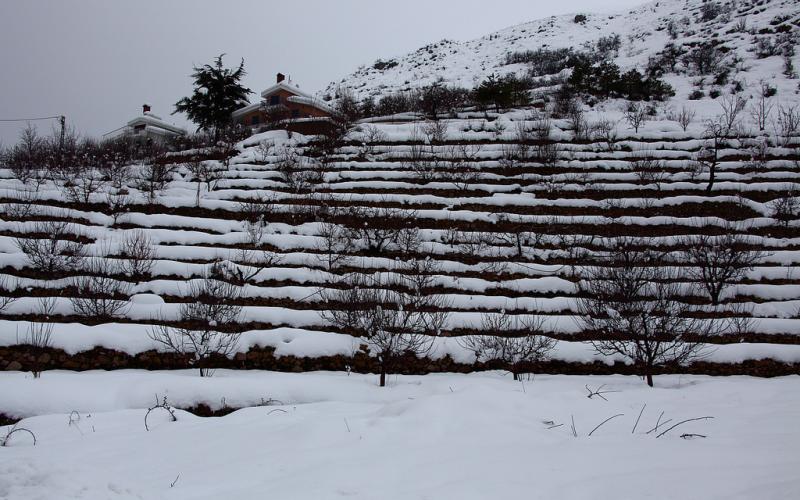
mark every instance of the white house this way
{"type": "Point", "coordinates": [147, 127]}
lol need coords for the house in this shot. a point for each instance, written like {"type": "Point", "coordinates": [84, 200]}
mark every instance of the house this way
{"type": "Point", "coordinates": [147, 127]}
{"type": "Point", "coordinates": [286, 106]}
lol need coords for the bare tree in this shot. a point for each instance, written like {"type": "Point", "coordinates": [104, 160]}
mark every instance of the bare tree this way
{"type": "Point", "coordinates": [138, 255]}
{"type": "Point", "coordinates": [40, 334]}
{"type": "Point", "coordinates": [99, 293]}
{"type": "Point", "coordinates": [719, 261]}
{"type": "Point", "coordinates": [334, 246]}
{"type": "Point", "coordinates": [378, 229]}
{"type": "Point", "coordinates": [54, 248]}
{"type": "Point", "coordinates": [606, 131]}
{"type": "Point", "coordinates": [211, 303]}
{"type": "Point", "coordinates": [708, 158]}
{"type": "Point", "coordinates": [761, 108]}
{"type": "Point", "coordinates": [684, 117]}
{"type": "Point", "coordinates": [462, 158]}
{"type": "Point", "coordinates": [154, 176]}
{"type": "Point", "coordinates": [296, 171]}
{"type": "Point", "coordinates": [253, 257]}
{"type": "Point", "coordinates": [787, 124]}
{"type": "Point", "coordinates": [732, 106]}
{"type": "Point", "coordinates": [630, 303]}
{"type": "Point", "coordinates": [395, 313]}
{"type": "Point", "coordinates": [6, 299]}
{"type": "Point", "coordinates": [636, 115]}
{"type": "Point", "coordinates": [649, 169]}
{"type": "Point", "coordinates": [786, 208]}
{"type": "Point", "coordinates": [370, 136]}
{"type": "Point", "coordinates": [517, 340]}
{"type": "Point", "coordinates": [204, 172]}
{"type": "Point", "coordinates": [27, 159]}
{"type": "Point", "coordinates": [578, 123]}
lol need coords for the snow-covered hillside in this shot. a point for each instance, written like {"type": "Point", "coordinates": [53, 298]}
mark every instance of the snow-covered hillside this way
{"type": "Point", "coordinates": [643, 32]}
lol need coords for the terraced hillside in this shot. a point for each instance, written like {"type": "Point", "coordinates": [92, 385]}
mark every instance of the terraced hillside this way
{"type": "Point", "coordinates": [482, 213]}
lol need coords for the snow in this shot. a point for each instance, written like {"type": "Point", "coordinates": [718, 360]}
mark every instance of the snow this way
{"type": "Point", "coordinates": [438, 436]}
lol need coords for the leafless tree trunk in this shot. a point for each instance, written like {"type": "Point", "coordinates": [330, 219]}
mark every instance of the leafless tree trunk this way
{"type": "Point", "coordinates": [684, 117]}
{"type": "Point", "coordinates": [649, 169]}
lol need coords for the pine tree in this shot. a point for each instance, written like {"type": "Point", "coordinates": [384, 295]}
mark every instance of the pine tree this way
{"type": "Point", "coordinates": [217, 94]}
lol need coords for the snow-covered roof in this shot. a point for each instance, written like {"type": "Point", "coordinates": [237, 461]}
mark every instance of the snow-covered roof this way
{"type": "Point", "coordinates": [284, 86]}
{"type": "Point", "coordinates": [311, 101]}
{"type": "Point", "coordinates": [151, 120]}
{"type": "Point", "coordinates": [247, 109]}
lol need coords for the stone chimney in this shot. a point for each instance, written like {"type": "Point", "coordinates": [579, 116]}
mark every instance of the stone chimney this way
{"type": "Point", "coordinates": [145, 109]}
{"type": "Point", "coordinates": [281, 77]}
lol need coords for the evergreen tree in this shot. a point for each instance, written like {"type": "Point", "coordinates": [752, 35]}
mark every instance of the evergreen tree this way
{"type": "Point", "coordinates": [217, 94]}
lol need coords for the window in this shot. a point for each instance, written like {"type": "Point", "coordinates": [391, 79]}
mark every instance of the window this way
{"type": "Point", "coordinates": [295, 113]}
{"type": "Point", "coordinates": [274, 99]}
{"type": "Point", "coordinates": [255, 120]}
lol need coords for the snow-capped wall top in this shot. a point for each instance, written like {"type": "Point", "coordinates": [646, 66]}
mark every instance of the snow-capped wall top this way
{"type": "Point", "coordinates": [643, 32]}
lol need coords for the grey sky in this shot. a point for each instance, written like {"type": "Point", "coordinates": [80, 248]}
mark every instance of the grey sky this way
{"type": "Point", "coordinates": [97, 61]}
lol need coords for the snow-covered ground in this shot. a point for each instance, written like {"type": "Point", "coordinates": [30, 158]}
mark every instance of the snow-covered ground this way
{"type": "Point", "coordinates": [437, 436]}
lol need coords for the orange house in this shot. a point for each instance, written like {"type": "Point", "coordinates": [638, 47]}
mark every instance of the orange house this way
{"type": "Point", "coordinates": [286, 105]}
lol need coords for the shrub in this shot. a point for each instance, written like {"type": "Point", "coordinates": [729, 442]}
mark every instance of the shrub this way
{"type": "Point", "coordinates": [709, 11]}
{"type": "Point", "coordinates": [381, 65]}
{"type": "Point", "coordinates": [579, 19]}
{"type": "Point", "coordinates": [604, 80]}
{"type": "Point", "coordinates": [502, 92]}
{"type": "Point", "coordinates": [696, 94]}
{"type": "Point", "coordinates": [543, 61]}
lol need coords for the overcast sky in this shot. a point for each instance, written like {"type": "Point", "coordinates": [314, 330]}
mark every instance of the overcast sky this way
{"type": "Point", "coordinates": [97, 61]}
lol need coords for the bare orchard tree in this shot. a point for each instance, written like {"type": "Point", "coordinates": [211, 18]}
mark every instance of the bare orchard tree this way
{"type": "Point", "coordinates": [461, 160]}
{"type": "Point", "coordinates": [517, 340]}
{"type": "Point", "coordinates": [708, 158]}
{"type": "Point", "coordinates": [6, 291]}
{"type": "Point", "coordinates": [137, 254]}
{"type": "Point", "coordinates": [718, 261]}
{"type": "Point", "coordinates": [40, 333]}
{"type": "Point", "coordinates": [370, 136]}
{"type": "Point", "coordinates": [606, 131]}
{"type": "Point", "coordinates": [787, 124]}
{"type": "Point", "coordinates": [99, 293]}
{"type": "Point", "coordinates": [334, 247]}
{"type": "Point", "coordinates": [786, 208]}
{"type": "Point", "coordinates": [520, 236]}
{"type": "Point", "coordinates": [55, 247]}
{"type": "Point", "coordinates": [153, 177]}
{"type": "Point", "coordinates": [630, 303]}
{"type": "Point", "coordinates": [649, 169]}
{"type": "Point", "coordinates": [732, 106]}
{"type": "Point", "coordinates": [211, 302]}
{"type": "Point", "coordinates": [636, 115]}
{"type": "Point", "coordinates": [394, 313]}
{"type": "Point", "coordinates": [296, 171]}
{"type": "Point", "coordinates": [761, 108]}
{"type": "Point", "coordinates": [684, 117]}
{"type": "Point", "coordinates": [253, 257]}
{"type": "Point", "coordinates": [28, 158]}
{"type": "Point", "coordinates": [204, 173]}
{"type": "Point", "coordinates": [378, 229]}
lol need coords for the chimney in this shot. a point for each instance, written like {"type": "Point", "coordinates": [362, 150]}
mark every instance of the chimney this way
{"type": "Point", "coordinates": [281, 77]}
{"type": "Point", "coordinates": [145, 109]}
